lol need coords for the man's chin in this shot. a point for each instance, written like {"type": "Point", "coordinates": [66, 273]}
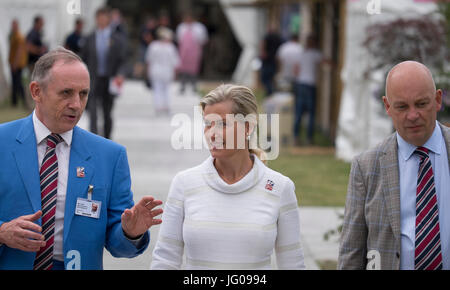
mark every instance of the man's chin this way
{"type": "Point", "coordinates": [416, 139]}
{"type": "Point", "coordinates": [68, 125]}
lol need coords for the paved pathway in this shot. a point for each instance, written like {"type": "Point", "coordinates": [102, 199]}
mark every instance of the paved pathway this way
{"type": "Point", "coordinates": [153, 163]}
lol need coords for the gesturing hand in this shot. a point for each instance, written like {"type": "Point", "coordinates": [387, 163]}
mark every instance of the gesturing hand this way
{"type": "Point", "coordinates": [140, 217]}
{"type": "Point", "coordinates": [22, 233]}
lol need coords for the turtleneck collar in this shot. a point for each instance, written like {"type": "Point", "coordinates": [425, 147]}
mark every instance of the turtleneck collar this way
{"type": "Point", "coordinates": [213, 179]}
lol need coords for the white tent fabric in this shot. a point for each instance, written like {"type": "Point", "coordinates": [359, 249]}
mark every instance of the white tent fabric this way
{"type": "Point", "coordinates": [248, 25]}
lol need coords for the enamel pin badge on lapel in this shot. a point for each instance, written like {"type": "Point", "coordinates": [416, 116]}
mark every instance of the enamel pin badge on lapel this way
{"type": "Point", "coordinates": [80, 172]}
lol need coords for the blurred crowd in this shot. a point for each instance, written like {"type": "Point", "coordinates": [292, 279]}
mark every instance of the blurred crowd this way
{"type": "Point", "coordinates": [288, 64]}
{"type": "Point", "coordinates": [163, 53]}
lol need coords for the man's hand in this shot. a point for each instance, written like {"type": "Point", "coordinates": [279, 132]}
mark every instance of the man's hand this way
{"type": "Point", "coordinates": [22, 233]}
{"type": "Point", "coordinates": [119, 80]}
{"type": "Point", "coordinates": [137, 220]}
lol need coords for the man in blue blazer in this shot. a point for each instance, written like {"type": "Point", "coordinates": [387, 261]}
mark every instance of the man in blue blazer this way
{"type": "Point", "coordinates": [93, 204]}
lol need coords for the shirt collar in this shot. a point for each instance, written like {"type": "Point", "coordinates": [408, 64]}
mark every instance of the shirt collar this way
{"type": "Point", "coordinates": [105, 31]}
{"type": "Point", "coordinates": [42, 131]}
{"type": "Point", "coordinates": [433, 144]}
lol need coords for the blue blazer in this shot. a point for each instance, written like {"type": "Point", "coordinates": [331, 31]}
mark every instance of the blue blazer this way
{"type": "Point", "coordinates": [106, 168]}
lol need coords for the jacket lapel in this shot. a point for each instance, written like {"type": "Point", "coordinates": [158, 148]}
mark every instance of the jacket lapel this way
{"type": "Point", "coordinates": [391, 178]}
{"type": "Point", "coordinates": [27, 162]}
{"type": "Point", "coordinates": [391, 183]}
{"type": "Point", "coordinates": [77, 186]}
{"type": "Point", "coordinates": [446, 133]}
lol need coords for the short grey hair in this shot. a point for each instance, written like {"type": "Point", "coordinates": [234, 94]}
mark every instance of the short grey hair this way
{"type": "Point", "coordinates": [41, 71]}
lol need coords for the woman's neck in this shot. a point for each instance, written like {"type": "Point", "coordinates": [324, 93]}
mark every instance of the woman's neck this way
{"type": "Point", "coordinates": [234, 168]}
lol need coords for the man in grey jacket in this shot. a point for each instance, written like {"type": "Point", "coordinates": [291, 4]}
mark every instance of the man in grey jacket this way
{"type": "Point", "coordinates": [395, 214]}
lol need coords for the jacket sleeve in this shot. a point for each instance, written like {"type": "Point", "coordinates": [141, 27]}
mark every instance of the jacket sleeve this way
{"type": "Point", "coordinates": [121, 198]}
{"type": "Point", "coordinates": [1, 245]}
{"type": "Point", "coordinates": [352, 249]}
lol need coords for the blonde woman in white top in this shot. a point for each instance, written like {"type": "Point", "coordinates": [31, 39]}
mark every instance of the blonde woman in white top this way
{"type": "Point", "coordinates": [231, 211]}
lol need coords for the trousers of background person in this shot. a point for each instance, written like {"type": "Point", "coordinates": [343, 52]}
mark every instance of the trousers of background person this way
{"type": "Point", "coordinates": [17, 87]}
{"type": "Point", "coordinates": [268, 71]}
{"type": "Point", "coordinates": [305, 101]}
{"type": "Point", "coordinates": [187, 78]}
{"type": "Point", "coordinates": [101, 97]}
{"type": "Point", "coordinates": [161, 95]}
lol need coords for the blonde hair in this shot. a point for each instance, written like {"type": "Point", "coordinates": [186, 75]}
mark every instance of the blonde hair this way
{"type": "Point", "coordinates": [244, 103]}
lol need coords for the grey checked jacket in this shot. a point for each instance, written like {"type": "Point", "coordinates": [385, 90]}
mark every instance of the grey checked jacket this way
{"type": "Point", "coordinates": [372, 210]}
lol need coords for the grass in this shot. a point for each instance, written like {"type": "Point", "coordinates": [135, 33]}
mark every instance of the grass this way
{"type": "Point", "coordinates": [9, 113]}
{"type": "Point", "coordinates": [327, 264]}
{"type": "Point", "coordinates": [320, 179]}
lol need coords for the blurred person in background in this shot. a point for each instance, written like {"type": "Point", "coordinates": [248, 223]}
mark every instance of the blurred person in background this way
{"type": "Point", "coordinates": [74, 40]}
{"type": "Point", "coordinates": [35, 45]}
{"type": "Point", "coordinates": [191, 37]}
{"type": "Point", "coordinates": [117, 23]}
{"type": "Point", "coordinates": [231, 211]}
{"type": "Point", "coordinates": [162, 60]}
{"type": "Point", "coordinates": [104, 52]}
{"type": "Point", "coordinates": [305, 88]}
{"type": "Point", "coordinates": [146, 36]}
{"type": "Point", "coordinates": [163, 21]}
{"type": "Point", "coordinates": [17, 59]}
{"type": "Point", "coordinates": [268, 49]}
{"type": "Point", "coordinates": [288, 54]}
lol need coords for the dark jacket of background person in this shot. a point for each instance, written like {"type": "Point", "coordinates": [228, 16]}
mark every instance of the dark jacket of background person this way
{"type": "Point", "coordinates": [115, 59]}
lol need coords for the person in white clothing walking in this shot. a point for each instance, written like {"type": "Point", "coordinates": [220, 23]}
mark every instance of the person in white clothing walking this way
{"type": "Point", "coordinates": [231, 211]}
{"type": "Point", "coordinates": [162, 60]}
{"type": "Point", "coordinates": [288, 54]}
{"type": "Point", "coordinates": [305, 87]}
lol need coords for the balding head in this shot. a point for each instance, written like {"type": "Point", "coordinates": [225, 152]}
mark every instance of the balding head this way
{"type": "Point", "coordinates": [406, 72]}
{"type": "Point", "coordinates": [412, 101]}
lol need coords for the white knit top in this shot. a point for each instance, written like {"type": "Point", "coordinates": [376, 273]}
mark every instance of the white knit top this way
{"type": "Point", "coordinates": [222, 226]}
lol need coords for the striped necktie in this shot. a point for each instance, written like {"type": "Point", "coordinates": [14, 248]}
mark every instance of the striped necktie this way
{"type": "Point", "coordinates": [49, 181]}
{"type": "Point", "coordinates": [428, 254]}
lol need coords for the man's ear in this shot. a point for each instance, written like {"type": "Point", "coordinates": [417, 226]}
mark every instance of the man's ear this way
{"type": "Point", "coordinates": [438, 100]}
{"type": "Point", "coordinates": [36, 91]}
{"type": "Point", "coordinates": [386, 104]}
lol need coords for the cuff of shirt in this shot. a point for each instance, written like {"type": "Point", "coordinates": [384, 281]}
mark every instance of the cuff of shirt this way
{"type": "Point", "coordinates": [137, 242]}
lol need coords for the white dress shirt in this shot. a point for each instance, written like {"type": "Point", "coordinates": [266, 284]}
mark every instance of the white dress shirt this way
{"type": "Point", "coordinates": [63, 154]}
{"type": "Point", "coordinates": [408, 168]}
